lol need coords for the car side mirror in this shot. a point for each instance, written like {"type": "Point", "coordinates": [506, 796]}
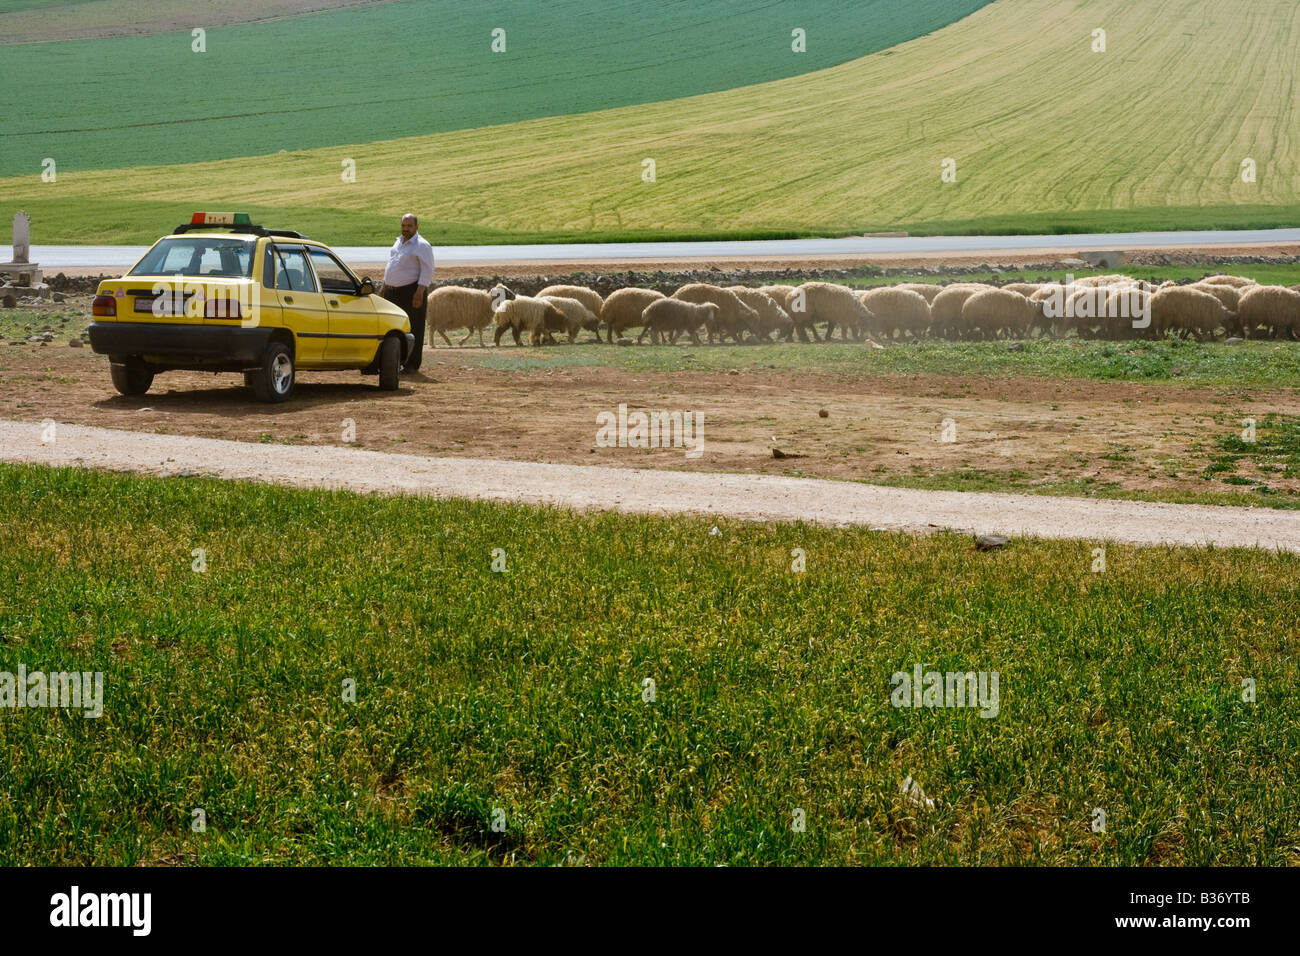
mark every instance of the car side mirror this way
{"type": "Point", "coordinates": [367, 287]}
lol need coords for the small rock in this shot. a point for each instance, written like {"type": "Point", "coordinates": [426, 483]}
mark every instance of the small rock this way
{"type": "Point", "coordinates": [74, 343]}
{"type": "Point", "coordinates": [822, 413]}
{"type": "Point", "coordinates": [715, 532]}
{"type": "Point", "coordinates": [624, 340]}
{"type": "Point", "coordinates": [1233, 340]}
{"type": "Point", "coordinates": [733, 371]}
{"type": "Point", "coordinates": [1016, 347]}
{"type": "Point", "coordinates": [990, 542]}
{"type": "Point", "coordinates": [58, 296]}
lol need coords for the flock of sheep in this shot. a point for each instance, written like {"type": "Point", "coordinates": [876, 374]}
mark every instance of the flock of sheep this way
{"type": "Point", "coordinates": [1111, 306]}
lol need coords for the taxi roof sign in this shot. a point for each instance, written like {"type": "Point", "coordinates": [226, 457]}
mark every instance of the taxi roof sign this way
{"type": "Point", "coordinates": [220, 219]}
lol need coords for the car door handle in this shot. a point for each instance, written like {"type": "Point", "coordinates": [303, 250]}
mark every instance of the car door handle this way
{"type": "Point", "coordinates": [334, 301]}
{"type": "Point", "coordinates": [289, 299]}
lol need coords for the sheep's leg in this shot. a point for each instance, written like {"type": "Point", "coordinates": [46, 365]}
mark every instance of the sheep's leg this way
{"type": "Point", "coordinates": [514, 330]}
{"type": "Point", "coordinates": [644, 330]}
{"type": "Point", "coordinates": [468, 334]}
{"type": "Point", "coordinates": [444, 338]}
{"type": "Point", "coordinates": [496, 339]}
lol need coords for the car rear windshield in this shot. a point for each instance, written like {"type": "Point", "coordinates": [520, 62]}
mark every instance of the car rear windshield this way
{"type": "Point", "coordinates": [198, 256]}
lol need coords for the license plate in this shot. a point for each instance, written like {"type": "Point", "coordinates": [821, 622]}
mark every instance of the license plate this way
{"type": "Point", "coordinates": [165, 306]}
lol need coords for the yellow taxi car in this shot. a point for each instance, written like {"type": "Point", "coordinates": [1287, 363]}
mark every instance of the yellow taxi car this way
{"type": "Point", "coordinates": [223, 295]}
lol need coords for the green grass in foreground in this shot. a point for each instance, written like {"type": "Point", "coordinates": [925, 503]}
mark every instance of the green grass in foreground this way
{"type": "Point", "coordinates": [524, 690]}
{"type": "Point", "coordinates": [1253, 364]}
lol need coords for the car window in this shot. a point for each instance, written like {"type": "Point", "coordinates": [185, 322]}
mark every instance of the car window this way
{"type": "Point", "coordinates": [333, 275]}
{"type": "Point", "coordinates": [292, 272]}
{"type": "Point", "coordinates": [198, 256]}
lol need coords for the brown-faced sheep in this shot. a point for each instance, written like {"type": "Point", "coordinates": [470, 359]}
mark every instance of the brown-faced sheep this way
{"type": "Point", "coordinates": [1187, 310]}
{"type": "Point", "coordinates": [622, 310]}
{"type": "Point", "coordinates": [576, 315]}
{"type": "Point", "coordinates": [998, 310]}
{"type": "Point", "coordinates": [772, 316]}
{"type": "Point", "coordinates": [834, 305]}
{"type": "Point", "coordinates": [897, 310]}
{"type": "Point", "coordinates": [1273, 307]}
{"type": "Point", "coordinates": [588, 297]}
{"type": "Point", "coordinates": [524, 313]}
{"type": "Point", "coordinates": [456, 307]}
{"type": "Point", "coordinates": [734, 317]}
{"type": "Point", "coordinates": [665, 316]}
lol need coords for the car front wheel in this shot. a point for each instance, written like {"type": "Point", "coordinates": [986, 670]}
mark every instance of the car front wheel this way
{"type": "Point", "coordinates": [130, 379]}
{"type": "Point", "coordinates": [390, 363]}
{"type": "Point", "coordinates": [273, 380]}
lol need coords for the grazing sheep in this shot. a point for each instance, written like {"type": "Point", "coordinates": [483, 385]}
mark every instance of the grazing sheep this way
{"type": "Point", "coordinates": [1237, 282]}
{"type": "Point", "coordinates": [927, 290]}
{"type": "Point", "coordinates": [772, 316]}
{"type": "Point", "coordinates": [622, 310]}
{"type": "Point", "coordinates": [576, 315]}
{"type": "Point", "coordinates": [998, 310]}
{"type": "Point", "coordinates": [456, 307]}
{"type": "Point", "coordinates": [779, 294]}
{"type": "Point", "coordinates": [734, 317]}
{"type": "Point", "coordinates": [1273, 306]}
{"type": "Point", "coordinates": [1024, 288]}
{"type": "Point", "coordinates": [1124, 306]}
{"type": "Point", "coordinates": [834, 305]}
{"type": "Point", "coordinates": [587, 297]}
{"type": "Point", "coordinates": [897, 309]}
{"type": "Point", "coordinates": [945, 310]}
{"type": "Point", "coordinates": [524, 313]}
{"type": "Point", "coordinates": [1228, 295]}
{"type": "Point", "coordinates": [1187, 310]}
{"type": "Point", "coordinates": [673, 315]}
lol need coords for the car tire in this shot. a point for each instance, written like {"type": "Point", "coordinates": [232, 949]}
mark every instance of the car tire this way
{"type": "Point", "coordinates": [390, 363]}
{"type": "Point", "coordinates": [130, 379]}
{"type": "Point", "coordinates": [273, 381]}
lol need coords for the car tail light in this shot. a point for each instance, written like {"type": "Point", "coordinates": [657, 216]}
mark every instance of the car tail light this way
{"type": "Point", "coordinates": [104, 305]}
{"type": "Point", "coordinates": [220, 308]}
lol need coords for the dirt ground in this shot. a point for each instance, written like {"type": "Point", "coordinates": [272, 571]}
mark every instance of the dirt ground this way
{"type": "Point", "coordinates": [1023, 431]}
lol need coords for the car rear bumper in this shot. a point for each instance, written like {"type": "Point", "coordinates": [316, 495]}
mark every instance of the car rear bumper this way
{"type": "Point", "coordinates": [178, 345]}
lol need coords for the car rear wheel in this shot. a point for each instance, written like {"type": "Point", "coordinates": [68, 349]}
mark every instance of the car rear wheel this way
{"type": "Point", "coordinates": [130, 379]}
{"type": "Point", "coordinates": [390, 363]}
{"type": "Point", "coordinates": [273, 381]}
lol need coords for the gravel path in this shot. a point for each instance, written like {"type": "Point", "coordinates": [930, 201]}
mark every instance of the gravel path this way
{"type": "Point", "coordinates": [656, 492]}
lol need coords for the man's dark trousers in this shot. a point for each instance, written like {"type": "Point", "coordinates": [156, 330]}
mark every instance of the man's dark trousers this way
{"type": "Point", "coordinates": [403, 295]}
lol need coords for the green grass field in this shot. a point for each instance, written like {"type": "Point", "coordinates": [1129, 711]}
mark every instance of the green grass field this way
{"type": "Point", "coordinates": [524, 691]}
{"type": "Point", "coordinates": [409, 68]}
{"type": "Point", "coordinates": [1041, 128]}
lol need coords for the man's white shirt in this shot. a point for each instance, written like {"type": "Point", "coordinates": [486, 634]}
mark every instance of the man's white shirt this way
{"type": "Point", "coordinates": [410, 261]}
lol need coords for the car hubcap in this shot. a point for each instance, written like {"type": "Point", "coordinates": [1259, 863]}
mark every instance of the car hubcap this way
{"type": "Point", "coordinates": [282, 373]}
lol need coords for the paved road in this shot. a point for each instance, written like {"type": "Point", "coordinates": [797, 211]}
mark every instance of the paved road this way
{"type": "Point", "coordinates": [55, 257]}
{"type": "Point", "coordinates": [646, 491]}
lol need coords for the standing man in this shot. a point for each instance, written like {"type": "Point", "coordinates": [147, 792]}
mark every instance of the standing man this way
{"type": "Point", "coordinates": [407, 279]}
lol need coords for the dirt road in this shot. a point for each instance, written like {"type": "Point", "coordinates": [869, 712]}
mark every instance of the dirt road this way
{"type": "Point", "coordinates": [764, 497]}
